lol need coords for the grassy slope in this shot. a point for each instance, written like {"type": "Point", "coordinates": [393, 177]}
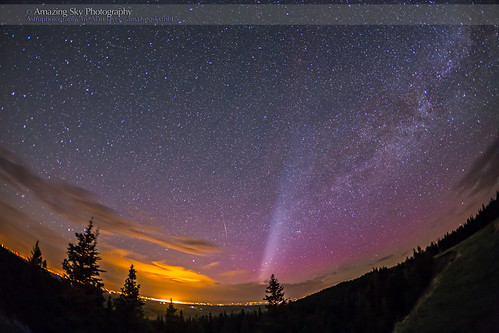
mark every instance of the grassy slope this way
{"type": "Point", "coordinates": [464, 297]}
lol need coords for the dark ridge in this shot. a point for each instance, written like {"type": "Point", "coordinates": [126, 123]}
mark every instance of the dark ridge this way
{"type": "Point", "coordinates": [34, 300]}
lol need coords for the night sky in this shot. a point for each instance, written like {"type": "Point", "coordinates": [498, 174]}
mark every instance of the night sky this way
{"type": "Point", "coordinates": [211, 156]}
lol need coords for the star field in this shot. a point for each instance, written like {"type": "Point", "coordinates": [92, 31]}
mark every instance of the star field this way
{"type": "Point", "coordinates": [308, 152]}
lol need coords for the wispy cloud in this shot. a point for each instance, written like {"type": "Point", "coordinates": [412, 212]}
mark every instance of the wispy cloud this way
{"type": "Point", "coordinates": [234, 273]}
{"type": "Point", "coordinates": [211, 265]}
{"type": "Point", "coordinates": [158, 278]}
{"type": "Point", "coordinates": [77, 205]}
{"type": "Point", "coordinates": [384, 258]}
{"type": "Point", "coordinates": [484, 173]}
{"type": "Point", "coordinates": [18, 231]}
{"type": "Point", "coordinates": [151, 272]}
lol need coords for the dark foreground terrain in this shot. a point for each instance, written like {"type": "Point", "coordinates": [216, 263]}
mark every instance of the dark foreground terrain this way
{"type": "Point", "coordinates": [464, 297]}
{"type": "Point", "coordinates": [450, 286]}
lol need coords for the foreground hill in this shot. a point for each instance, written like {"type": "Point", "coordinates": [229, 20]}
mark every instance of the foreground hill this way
{"type": "Point", "coordinates": [451, 286]}
{"type": "Point", "coordinates": [464, 297]}
{"type": "Point", "coordinates": [463, 264]}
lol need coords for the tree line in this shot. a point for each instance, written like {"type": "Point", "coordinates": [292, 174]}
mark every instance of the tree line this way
{"type": "Point", "coordinates": [125, 313]}
{"type": "Point", "coordinates": [372, 303]}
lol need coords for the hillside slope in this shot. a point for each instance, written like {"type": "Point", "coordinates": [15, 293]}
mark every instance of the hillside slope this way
{"type": "Point", "coordinates": [451, 283]}
{"type": "Point", "coordinates": [451, 286]}
{"type": "Point", "coordinates": [464, 297]}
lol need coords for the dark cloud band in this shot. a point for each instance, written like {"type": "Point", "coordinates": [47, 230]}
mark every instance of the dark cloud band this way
{"type": "Point", "coordinates": [77, 205]}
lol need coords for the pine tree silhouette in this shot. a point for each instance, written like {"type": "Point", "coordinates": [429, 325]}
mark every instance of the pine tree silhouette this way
{"type": "Point", "coordinates": [171, 320]}
{"type": "Point", "coordinates": [128, 303]}
{"type": "Point", "coordinates": [275, 293]}
{"type": "Point", "coordinates": [170, 310]}
{"type": "Point", "coordinates": [81, 265]}
{"type": "Point", "coordinates": [36, 257]}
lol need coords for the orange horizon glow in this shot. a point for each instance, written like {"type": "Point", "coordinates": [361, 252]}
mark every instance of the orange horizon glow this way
{"type": "Point", "coordinates": [60, 273]}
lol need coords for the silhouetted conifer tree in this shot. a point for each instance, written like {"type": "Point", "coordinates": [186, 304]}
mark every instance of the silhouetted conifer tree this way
{"type": "Point", "coordinates": [173, 322]}
{"type": "Point", "coordinates": [275, 293]}
{"type": "Point", "coordinates": [36, 257]}
{"type": "Point", "coordinates": [81, 265]}
{"type": "Point", "coordinates": [170, 310]}
{"type": "Point", "coordinates": [128, 303]}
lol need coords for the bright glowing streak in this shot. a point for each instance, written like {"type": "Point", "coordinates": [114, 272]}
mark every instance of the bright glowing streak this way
{"type": "Point", "coordinates": [295, 177]}
{"type": "Point", "coordinates": [278, 220]}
